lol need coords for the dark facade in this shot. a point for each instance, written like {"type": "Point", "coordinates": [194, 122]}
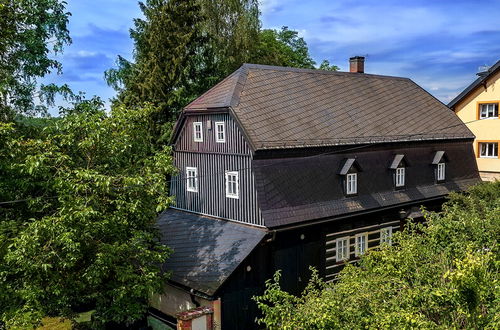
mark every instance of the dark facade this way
{"type": "Point", "coordinates": [299, 178]}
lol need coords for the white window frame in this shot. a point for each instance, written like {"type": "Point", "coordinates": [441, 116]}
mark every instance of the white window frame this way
{"type": "Point", "coordinates": [490, 146]}
{"type": "Point", "coordinates": [386, 236]}
{"type": "Point", "coordinates": [196, 125]}
{"type": "Point", "coordinates": [192, 179]}
{"type": "Point", "coordinates": [400, 177]}
{"type": "Point", "coordinates": [219, 131]}
{"type": "Point", "coordinates": [486, 108]}
{"type": "Point", "coordinates": [232, 194]}
{"type": "Point", "coordinates": [342, 249]}
{"type": "Point", "coordinates": [351, 181]}
{"type": "Point", "coordinates": [441, 171]}
{"type": "Point", "coordinates": [360, 244]}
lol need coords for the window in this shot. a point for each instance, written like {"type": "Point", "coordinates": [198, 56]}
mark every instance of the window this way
{"type": "Point", "coordinates": [386, 236]}
{"type": "Point", "coordinates": [192, 179]}
{"type": "Point", "coordinates": [400, 177]}
{"type": "Point", "coordinates": [361, 244]}
{"type": "Point", "coordinates": [342, 249]}
{"type": "Point", "coordinates": [232, 185]}
{"type": "Point", "coordinates": [441, 171]}
{"type": "Point", "coordinates": [351, 183]}
{"type": "Point", "coordinates": [220, 133]}
{"type": "Point", "coordinates": [488, 149]}
{"type": "Point", "coordinates": [198, 131]}
{"type": "Point", "coordinates": [488, 110]}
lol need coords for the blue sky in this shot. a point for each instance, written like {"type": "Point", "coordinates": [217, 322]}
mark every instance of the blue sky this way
{"type": "Point", "coordinates": [437, 43]}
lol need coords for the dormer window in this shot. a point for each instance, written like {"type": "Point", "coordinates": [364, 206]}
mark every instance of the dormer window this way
{"type": "Point", "coordinates": [198, 131]}
{"type": "Point", "coordinates": [350, 171]}
{"type": "Point", "coordinates": [220, 132]}
{"type": "Point", "coordinates": [439, 162]}
{"type": "Point", "coordinates": [398, 166]}
{"type": "Point", "coordinates": [488, 110]}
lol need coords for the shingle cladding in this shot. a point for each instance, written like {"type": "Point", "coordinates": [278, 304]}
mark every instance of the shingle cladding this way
{"type": "Point", "coordinates": [206, 250]}
{"type": "Point", "coordinates": [288, 108]}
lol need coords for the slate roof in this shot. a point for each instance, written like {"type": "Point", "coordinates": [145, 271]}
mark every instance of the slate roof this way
{"type": "Point", "coordinates": [280, 107]}
{"type": "Point", "coordinates": [206, 250]}
{"type": "Point", "coordinates": [482, 78]}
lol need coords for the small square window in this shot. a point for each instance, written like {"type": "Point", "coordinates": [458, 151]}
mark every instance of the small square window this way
{"type": "Point", "coordinates": [400, 177]}
{"type": "Point", "coordinates": [198, 131]}
{"type": "Point", "coordinates": [192, 179]}
{"type": "Point", "coordinates": [386, 236]}
{"type": "Point", "coordinates": [342, 250]}
{"type": "Point", "coordinates": [361, 244]}
{"type": "Point", "coordinates": [488, 110]}
{"type": "Point", "coordinates": [488, 149]}
{"type": "Point", "coordinates": [441, 171]}
{"type": "Point", "coordinates": [351, 183]}
{"type": "Point", "coordinates": [220, 132]}
{"type": "Point", "coordinates": [232, 185]}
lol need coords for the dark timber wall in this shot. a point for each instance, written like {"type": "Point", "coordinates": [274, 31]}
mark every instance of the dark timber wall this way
{"type": "Point", "coordinates": [212, 159]}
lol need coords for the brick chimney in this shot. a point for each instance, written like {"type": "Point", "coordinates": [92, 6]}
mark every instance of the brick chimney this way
{"type": "Point", "coordinates": [357, 64]}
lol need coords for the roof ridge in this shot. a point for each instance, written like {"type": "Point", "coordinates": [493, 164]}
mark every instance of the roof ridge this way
{"type": "Point", "coordinates": [318, 71]}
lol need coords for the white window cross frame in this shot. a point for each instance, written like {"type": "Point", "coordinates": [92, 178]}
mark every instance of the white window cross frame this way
{"type": "Point", "coordinates": [232, 184]}
{"type": "Point", "coordinates": [192, 179]}
{"type": "Point", "coordinates": [488, 149]}
{"type": "Point", "coordinates": [198, 131]}
{"type": "Point", "coordinates": [488, 110]}
{"type": "Point", "coordinates": [386, 236]}
{"type": "Point", "coordinates": [361, 244]}
{"type": "Point", "coordinates": [351, 183]}
{"type": "Point", "coordinates": [220, 132]}
{"type": "Point", "coordinates": [441, 171]}
{"type": "Point", "coordinates": [342, 249]}
{"type": "Point", "coordinates": [400, 177]}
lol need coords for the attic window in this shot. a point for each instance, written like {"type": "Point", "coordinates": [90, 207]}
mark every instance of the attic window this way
{"type": "Point", "coordinates": [488, 110]}
{"type": "Point", "coordinates": [439, 161]}
{"type": "Point", "coordinates": [398, 165]}
{"type": "Point", "coordinates": [198, 131]}
{"type": "Point", "coordinates": [349, 171]}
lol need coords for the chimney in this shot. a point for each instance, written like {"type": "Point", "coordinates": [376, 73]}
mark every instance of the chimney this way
{"type": "Point", "coordinates": [357, 64]}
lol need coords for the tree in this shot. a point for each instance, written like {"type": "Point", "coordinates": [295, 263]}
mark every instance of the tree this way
{"type": "Point", "coordinates": [30, 31]}
{"type": "Point", "coordinates": [283, 48]}
{"type": "Point", "coordinates": [439, 275]}
{"type": "Point", "coordinates": [78, 232]}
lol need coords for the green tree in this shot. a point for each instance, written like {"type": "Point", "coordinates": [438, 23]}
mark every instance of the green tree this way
{"type": "Point", "coordinates": [441, 275]}
{"type": "Point", "coordinates": [30, 32]}
{"type": "Point", "coordinates": [79, 205]}
{"type": "Point", "coordinates": [283, 48]}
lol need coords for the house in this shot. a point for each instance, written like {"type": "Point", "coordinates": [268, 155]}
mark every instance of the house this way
{"type": "Point", "coordinates": [283, 168]}
{"type": "Point", "coordinates": [477, 106]}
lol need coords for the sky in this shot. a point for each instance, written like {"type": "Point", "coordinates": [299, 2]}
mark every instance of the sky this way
{"type": "Point", "coordinates": [439, 44]}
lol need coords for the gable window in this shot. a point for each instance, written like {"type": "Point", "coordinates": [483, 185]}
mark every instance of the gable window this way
{"type": "Point", "coordinates": [400, 177]}
{"type": "Point", "coordinates": [198, 131]}
{"type": "Point", "coordinates": [342, 250]}
{"type": "Point", "coordinates": [232, 185]}
{"type": "Point", "coordinates": [488, 149]}
{"type": "Point", "coordinates": [386, 236]}
{"type": "Point", "coordinates": [441, 171]}
{"type": "Point", "coordinates": [488, 110]}
{"type": "Point", "coordinates": [361, 244]}
{"type": "Point", "coordinates": [192, 179]}
{"type": "Point", "coordinates": [220, 132]}
{"type": "Point", "coordinates": [352, 183]}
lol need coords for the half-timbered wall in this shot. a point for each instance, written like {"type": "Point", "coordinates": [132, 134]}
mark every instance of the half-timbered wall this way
{"type": "Point", "coordinates": [212, 160]}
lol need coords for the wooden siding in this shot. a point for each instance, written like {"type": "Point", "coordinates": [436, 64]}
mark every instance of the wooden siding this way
{"type": "Point", "coordinates": [235, 141]}
{"type": "Point", "coordinates": [211, 196]}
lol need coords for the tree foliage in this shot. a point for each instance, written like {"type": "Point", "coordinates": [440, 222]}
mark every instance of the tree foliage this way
{"type": "Point", "coordinates": [30, 31]}
{"type": "Point", "coordinates": [79, 203]}
{"type": "Point", "coordinates": [441, 275]}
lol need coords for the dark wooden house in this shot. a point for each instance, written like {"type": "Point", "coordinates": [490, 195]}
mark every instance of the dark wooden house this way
{"type": "Point", "coordinates": [283, 168]}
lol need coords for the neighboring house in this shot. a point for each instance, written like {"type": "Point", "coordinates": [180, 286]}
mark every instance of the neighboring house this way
{"type": "Point", "coordinates": [283, 168]}
{"type": "Point", "coordinates": [477, 106]}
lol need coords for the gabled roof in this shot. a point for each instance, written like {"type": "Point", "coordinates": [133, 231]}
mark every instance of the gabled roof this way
{"type": "Point", "coordinates": [483, 77]}
{"type": "Point", "coordinates": [280, 107]}
{"type": "Point", "coordinates": [206, 250]}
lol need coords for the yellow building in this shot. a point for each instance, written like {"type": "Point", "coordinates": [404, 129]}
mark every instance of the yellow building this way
{"type": "Point", "coordinates": [477, 106]}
